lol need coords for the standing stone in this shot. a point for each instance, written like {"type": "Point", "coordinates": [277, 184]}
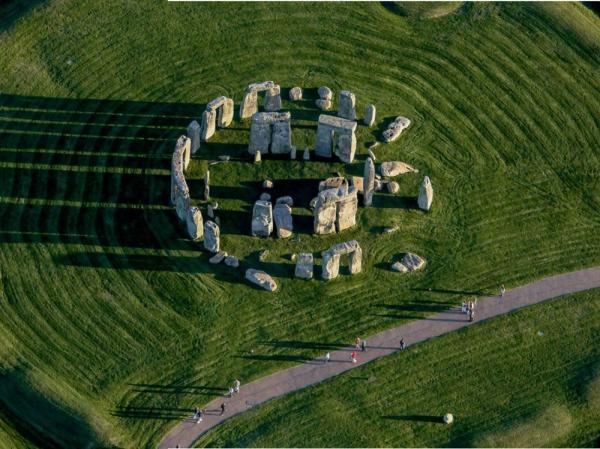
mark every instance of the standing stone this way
{"type": "Point", "coordinates": [347, 107]}
{"type": "Point", "coordinates": [210, 211]}
{"type": "Point", "coordinates": [393, 187]}
{"type": "Point", "coordinates": [295, 93]}
{"type": "Point", "coordinates": [264, 197]}
{"type": "Point", "coordinates": [304, 266]}
{"type": "Point", "coordinates": [207, 186]}
{"type": "Point", "coordinates": [368, 182]}
{"type": "Point", "coordinates": [267, 184]}
{"type": "Point", "coordinates": [330, 265]}
{"type": "Point", "coordinates": [330, 126]}
{"type": "Point", "coordinates": [208, 124]}
{"type": "Point", "coordinates": [249, 104]}
{"type": "Point", "coordinates": [425, 194]}
{"type": "Point", "coordinates": [325, 213]}
{"type": "Point", "coordinates": [323, 105]}
{"type": "Point", "coordinates": [306, 155]}
{"type": "Point", "coordinates": [355, 260]}
{"type": "Point", "coordinates": [262, 219]}
{"type": "Point", "coordinates": [261, 279]}
{"type": "Point", "coordinates": [182, 204]}
{"type": "Point", "coordinates": [325, 93]}
{"type": "Point", "coordinates": [395, 168]}
{"type": "Point", "coordinates": [283, 220]}
{"type": "Point", "coordinates": [225, 113]}
{"type": "Point", "coordinates": [347, 206]}
{"type": "Point", "coordinates": [346, 148]}
{"type": "Point", "coordinates": [273, 99]}
{"type": "Point", "coordinates": [193, 132]}
{"type": "Point", "coordinates": [212, 236]}
{"type": "Point", "coordinates": [370, 112]}
{"type": "Point", "coordinates": [281, 138]}
{"type": "Point", "coordinates": [257, 157]}
{"type": "Point", "coordinates": [285, 200]}
{"type": "Point", "coordinates": [194, 222]}
{"type": "Point", "coordinates": [260, 135]}
{"type": "Point", "coordinates": [293, 153]}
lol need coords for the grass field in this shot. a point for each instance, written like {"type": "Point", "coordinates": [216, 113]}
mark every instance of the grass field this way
{"type": "Point", "coordinates": [505, 385]}
{"type": "Point", "coordinates": [113, 325]}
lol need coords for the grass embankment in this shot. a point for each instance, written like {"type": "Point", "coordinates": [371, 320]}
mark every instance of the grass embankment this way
{"type": "Point", "coordinates": [110, 314]}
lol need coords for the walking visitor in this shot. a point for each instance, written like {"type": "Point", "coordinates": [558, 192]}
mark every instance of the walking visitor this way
{"type": "Point", "coordinates": [357, 341]}
{"type": "Point", "coordinates": [222, 408]}
{"type": "Point", "coordinates": [236, 385]}
{"type": "Point", "coordinates": [402, 345]}
{"type": "Point", "coordinates": [353, 356]}
{"type": "Point", "coordinates": [327, 357]}
{"type": "Point", "coordinates": [502, 290]}
{"type": "Point", "coordinates": [363, 346]}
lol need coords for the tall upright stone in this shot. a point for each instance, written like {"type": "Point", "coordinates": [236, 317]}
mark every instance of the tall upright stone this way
{"type": "Point", "coordinates": [368, 182]}
{"type": "Point", "coordinates": [207, 186]}
{"type": "Point", "coordinates": [193, 132]}
{"type": "Point", "coordinates": [347, 106]}
{"type": "Point", "coordinates": [270, 130]}
{"type": "Point", "coordinates": [347, 206]}
{"type": "Point", "coordinates": [281, 139]}
{"type": "Point", "coordinates": [425, 194]}
{"type": "Point", "coordinates": [194, 223]}
{"type": "Point", "coordinates": [370, 113]}
{"type": "Point", "coordinates": [304, 266]}
{"type": "Point", "coordinates": [212, 236]}
{"type": "Point", "coordinates": [330, 265]}
{"type": "Point", "coordinates": [262, 219]}
{"type": "Point", "coordinates": [225, 113]}
{"type": "Point", "coordinates": [346, 148]}
{"type": "Point", "coordinates": [282, 214]}
{"type": "Point", "coordinates": [355, 260]}
{"type": "Point", "coordinates": [208, 128]}
{"type": "Point", "coordinates": [325, 213]}
{"type": "Point", "coordinates": [249, 104]}
{"type": "Point", "coordinates": [273, 99]}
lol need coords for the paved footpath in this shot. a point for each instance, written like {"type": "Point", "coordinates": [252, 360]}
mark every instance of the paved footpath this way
{"type": "Point", "coordinates": [379, 345]}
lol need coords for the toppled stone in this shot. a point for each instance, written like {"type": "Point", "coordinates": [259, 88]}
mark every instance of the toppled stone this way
{"type": "Point", "coordinates": [395, 128]}
{"type": "Point", "coordinates": [347, 106]}
{"type": "Point", "coordinates": [262, 219]}
{"type": "Point", "coordinates": [265, 197]}
{"type": "Point", "coordinates": [371, 154]}
{"type": "Point", "coordinates": [393, 187]}
{"type": "Point", "coordinates": [368, 182]}
{"type": "Point", "coordinates": [193, 132]}
{"type": "Point", "coordinates": [212, 236]}
{"type": "Point", "coordinates": [194, 222]}
{"type": "Point", "coordinates": [370, 112]}
{"type": "Point", "coordinates": [357, 183]}
{"type": "Point", "coordinates": [390, 229]}
{"type": "Point", "coordinates": [295, 93]}
{"type": "Point", "coordinates": [325, 93]}
{"type": "Point", "coordinates": [332, 183]}
{"type": "Point", "coordinates": [395, 168]}
{"type": "Point", "coordinates": [218, 258]}
{"type": "Point", "coordinates": [323, 105]}
{"type": "Point", "coordinates": [267, 184]}
{"type": "Point", "coordinates": [304, 266]}
{"type": "Point", "coordinates": [285, 200]}
{"type": "Point", "coordinates": [425, 194]}
{"type": "Point", "coordinates": [224, 158]}
{"type": "Point", "coordinates": [282, 213]}
{"type": "Point", "coordinates": [399, 267]}
{"type": "Point", "coordinates": [413, 262]}
{"type": "Point", "coordinates": [232, 261]}
{"type": "Point", "coordinates": [261, 279]}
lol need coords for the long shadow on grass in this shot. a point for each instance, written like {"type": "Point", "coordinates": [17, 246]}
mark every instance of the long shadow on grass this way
{"type": "Point", "coordinates": [178, 389]}
{"type": "Point", "coordinates": [416, 418]}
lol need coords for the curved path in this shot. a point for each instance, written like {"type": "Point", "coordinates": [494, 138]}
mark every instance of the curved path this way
{"type": "Point", "coordinates": [379, 345]}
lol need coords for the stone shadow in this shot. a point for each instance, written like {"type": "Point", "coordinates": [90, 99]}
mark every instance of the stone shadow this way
{"type": "Point", "coordinates": [382, 125]}
{"type": "Point", "coordinates": [416, 418]}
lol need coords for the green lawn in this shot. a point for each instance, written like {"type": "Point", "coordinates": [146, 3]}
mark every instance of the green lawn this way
{"type": "Point", "coordinates": [113, 324]}
{"type": "Point", "coordinates": [505, 384]}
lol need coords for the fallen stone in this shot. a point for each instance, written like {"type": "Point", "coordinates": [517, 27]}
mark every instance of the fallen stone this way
{"type": "Point", "coordinates": [295, 93]}
{"type": "Point", "coordinates": [390, 229]}
{"type": "Point", "coordinates": [265, 197]}
{"type": "Point", "coordinates": [218, 258]}
{"type": "Point", "coordinates": [304, 266]}
{"type": "Point", "coordinates": [285, 200]}
{"type": "Point", "coordinates": [368, 182]}
{"type": "Point", "coordinates": [425, 194]}
{"type": "Point", "coordinates": [323, 105]}
{"type": "Point", "coordinates": [232, 261]}
{"type": "Point", "coordinates": [395, 168]}
{"type": "Point", "coordinates": [371, 154]}
{"type": "Point", "coordinates": [395, 128]}
{"type": "Point", "coordinates": [262, 219]}
{"type": "Point", "coordinates": [267, 184]}
{"type": "Point", "coordinates": [399, 267]}
{"type": "Point", "coordinates": [413, 262]}
{"type": "Point", "coordinates": [393, 187]}
{"type": "Point", "coordinates": [212, 236]}
{"type": "Point", "coordinates": [325, 93]}
{"type": "Point", "coordinates": [261, 279]}
{"type": "Point", "coordinates": [282, 213]}
{"type": "Point", "coordinates": [370, 112]}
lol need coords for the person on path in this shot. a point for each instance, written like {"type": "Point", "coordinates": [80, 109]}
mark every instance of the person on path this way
{"type": "Point", "coordinates": [353, 356]}
{"type": "Point", "coordinates": [464, 307]}
{"type": "Point", "coordinates": [236, 385]}
{"type": "Point", "coordinates": [402, 345]}
{"type": "Point", "coordinates": [231, 392]}
{"type": "Point", "coordinates": [502, 290]}
{"type": "Point", "coordinates": [222, 408]}
{"type": "Point", "coordinates": [471, 315]}
{"type": "Point", "coordinates": [196, 410]}
{"type": "Point", "coordinates": [327, 357]}
{"type": "Point", "coordinates": [363, 346]}
{"type": "Point", "coordinates": [199, 414]}
{"type": "Point", "coordinates": [357, 342]}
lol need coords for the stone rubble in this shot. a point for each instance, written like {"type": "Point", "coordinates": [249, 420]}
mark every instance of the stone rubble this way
{"type": "Point", "coordinates": [410, 262]}
{"type": "Point", "coordinates": [232, 261]}
{"type": "Point", "coordinates": [395, 128]}
{"type": "Point", "coordinates": [261, 279]}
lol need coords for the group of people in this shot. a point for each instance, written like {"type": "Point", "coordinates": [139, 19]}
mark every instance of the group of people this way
{"type": "Point", "coordinates": [469, 309]}
{"type": "Point", "coordinates": [235, 388]}
{"type": "Point", "coordinates": [199, 413]}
